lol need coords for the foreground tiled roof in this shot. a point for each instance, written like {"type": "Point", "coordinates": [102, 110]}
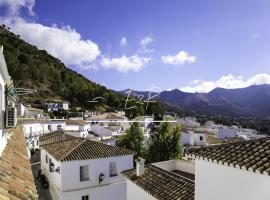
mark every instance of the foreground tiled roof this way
{"type": "Point", "coordinates": [16, 179]}
{"type": "Point", "coordinates": [252, 155]}
{"type": "Point", "coordinates": [83, 149]}
{"type": "Point", "coordinates": [162, 184]}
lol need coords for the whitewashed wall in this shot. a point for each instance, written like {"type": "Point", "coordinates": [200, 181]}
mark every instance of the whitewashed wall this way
{"type": "Point", "coordinates": [71, 172]}
{"type": "Point", "coordinates": [116, 191]}
{"type": "Point", "coordinates": [180, 165]}
{"type": "Point", "coordinates": [187, 138]}
{"type": "Point", "coordinates": [216, 181]}
{"type": "Point", "coordinates": [226, 132]}
{"type": "Point", "coordinates": [3, 138]}
{"type": "Point", "coordinates": [134, 192]}
{"type": "Point", "coordinates": [54, 178]}
{"type": "Point", "coordinates": [197, 139]}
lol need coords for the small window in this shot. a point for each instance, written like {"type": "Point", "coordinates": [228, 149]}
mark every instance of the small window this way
{"type": "Point", "coordinates": [201, 138]}
{"type": "Point", "coordinates": [84, 174]}
{"type": "Point", "coordinates": [86, 197]}
{"type": "Point", "coordinates": [46, 158]}
{"type": "Point", "coordinates": [113, 169]}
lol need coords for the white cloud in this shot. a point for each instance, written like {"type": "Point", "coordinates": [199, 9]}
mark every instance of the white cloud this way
{"type": "Point", "coordinates": [125, 63]}
{"type": "Point", "coordinates": [123, 41]}
{"type": "Point", "coordinates": [181, 58]}
{"type": "Point", "coordinates": [64, 42]}
{"type": "Point", "coordinates": [145, 42]}
{"type": "Point", "coordinates": [229, 81]}
{"type": "Point", "coordinates": [14, 6]}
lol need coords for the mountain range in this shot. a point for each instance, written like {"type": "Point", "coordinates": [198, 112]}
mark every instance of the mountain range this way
{"type": "Point", "coordinates": [250, 101]}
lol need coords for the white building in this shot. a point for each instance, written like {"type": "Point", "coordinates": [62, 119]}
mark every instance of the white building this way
{"type": "Point", "coordinates": [188, 121]}
{"type": "Point", "coordinates": [224, 132]}
{"type": "Point", "coordinates": [106, 119]}
{"type": "Point", "coordinates": [233, 171]}
{"type": "Point", "coordinates": [78, 128]}
{"type": "Point", "coordinates": [55, 105]}
{"type": "Point", "coordinates": [20, 109]}
{"type": "Point", "coordinates": [34, 128]}
{"type": "Point", "coordinates": [84, 169]}
{"type": "Point", "coordinates": [193, 138]}
{"type": "Point", "coordinates": [248, 134]}
{"type": "Point", "coordinates": [4, 79]}
{"type": "Point", "coordinates": [101, 132]}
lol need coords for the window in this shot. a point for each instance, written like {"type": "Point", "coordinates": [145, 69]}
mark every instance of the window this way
{"type": "Point", "coordinates": [113, 169]}
{"type": "Point", "coordinates": [49, 127]}
{"type": "Point", "coordinates": [84, 175]}
{"type": "Point", "coordinates": [59, 127]}
{"type": "Point", "coordinates": [46, 158]}
{"type": "Point", "coordinates": [86, 197]}
{"type": "Point", "coordinates": [201, 138]}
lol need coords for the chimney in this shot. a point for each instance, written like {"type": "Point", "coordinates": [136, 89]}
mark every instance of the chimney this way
{"type": "Point", "coordinates": [139, 166]}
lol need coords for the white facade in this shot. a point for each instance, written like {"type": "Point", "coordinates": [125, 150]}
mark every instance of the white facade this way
{"type": "Point", "coordinates": [66, 184]}
{"type": "Point", "coordinates": [55, 105]}
{"type": "Point", "coordinates": [191, 138]}
{"type": "Point", "coordinates": [188, 121]}
{"type": "Point", "coordinates": [180, 165]}
{"type": "Point", "coordinates": [20, 109]}
{"type": "Point", "coordinates": [77, 130]}
{"type": "Point", "coordinates": [134, 192]}
{"type": "Point", "coordinates": [32, 130]}
{"type": "Point", "coordinates": [4, 77]}
{"type": "Point", "coordinates": [226, 133]}
{"type": "Point", "coordinates": [216, 181]}
{"type": "Point", "coordinates": [102, 132]}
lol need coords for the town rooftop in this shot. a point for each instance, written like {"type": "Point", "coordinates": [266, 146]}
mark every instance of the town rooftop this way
{"type": "Point", "coordinates": [252, 155]}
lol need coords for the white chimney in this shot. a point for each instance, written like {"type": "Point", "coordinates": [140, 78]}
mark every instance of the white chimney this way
{"type": "Point", "coordinates": [139, 166]}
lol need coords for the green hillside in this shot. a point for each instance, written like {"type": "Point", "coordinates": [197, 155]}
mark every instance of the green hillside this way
{"type": "Point", "coordinates": [36, 69]}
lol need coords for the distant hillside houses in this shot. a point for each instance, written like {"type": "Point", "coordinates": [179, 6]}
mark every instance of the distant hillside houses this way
{"type": "Point", "coordinates": [50, 106]}
{"type": "Point", "coordinates": [210, 133]}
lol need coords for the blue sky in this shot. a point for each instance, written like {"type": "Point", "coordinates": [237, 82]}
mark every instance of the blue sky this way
{"type": "Point", "coordinates": [219, 43]}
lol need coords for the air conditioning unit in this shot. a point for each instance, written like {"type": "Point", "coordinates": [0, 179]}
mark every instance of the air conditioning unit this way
{"type": "Point", "coordinates": [11, 116]}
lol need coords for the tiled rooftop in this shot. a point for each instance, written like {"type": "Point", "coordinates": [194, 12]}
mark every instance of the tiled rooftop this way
{"type": "Point", "coordinates": [16, 178]}
{"type": "Point", "coordinates": [53, 137]}
{"type": "Point", "coordinates": [185, 174]}
{"type": "Point", "coordinates": [83, 149]}
{"type": "Point", "coordinates": [162, 184]}
{"type": "Point", "coordinates": [76, 122]}
{"type": "Point", "coordinates": [252, 155]}
{"type": "Point", "coordinates": [106, 116]}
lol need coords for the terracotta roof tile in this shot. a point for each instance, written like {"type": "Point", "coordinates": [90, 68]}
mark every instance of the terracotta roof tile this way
{"type": "Point", "coordinates": [162, 184]}
{"type": "Point", "coordinates": [16, 178]}
{"type": "Point", "coordinates": [53, 137]}
{"type": "Point", "coordinates": [77, 122]}
{"type": "Point", "coordinates": [253, 155]}
{"type": "Point", "coordinates": [83, 149]}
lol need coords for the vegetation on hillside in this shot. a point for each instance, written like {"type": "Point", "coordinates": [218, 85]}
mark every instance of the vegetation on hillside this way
{"type": "Point", "coordinates": [36, 69]}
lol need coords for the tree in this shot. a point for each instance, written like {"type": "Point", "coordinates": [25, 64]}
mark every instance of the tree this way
{"type": "Point", "coordinates": [165, 145]}
{"type": "Point", "coordinates": [133, 140]}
